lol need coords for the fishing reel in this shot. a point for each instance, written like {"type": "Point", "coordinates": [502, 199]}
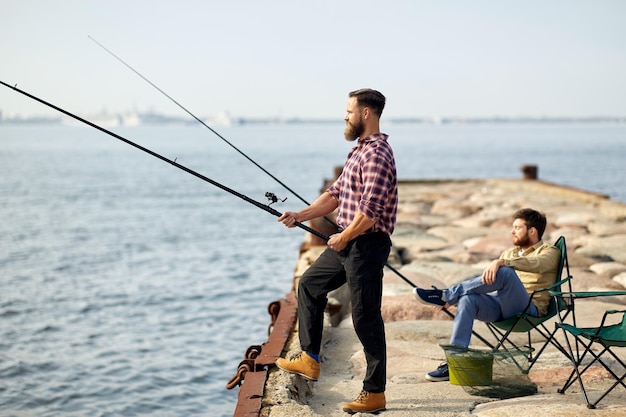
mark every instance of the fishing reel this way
{"type": "Point", "coordinates": [271, 197]}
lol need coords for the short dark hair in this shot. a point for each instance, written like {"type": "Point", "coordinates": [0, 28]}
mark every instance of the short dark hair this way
{"type": "Point", "coordinates": [532, 218]}
{"type": "Point", "coordinates": [366, 97]}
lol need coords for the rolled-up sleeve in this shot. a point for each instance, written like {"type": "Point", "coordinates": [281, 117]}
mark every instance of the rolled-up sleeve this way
{"type": "Point", "coordinates": [377, 181]}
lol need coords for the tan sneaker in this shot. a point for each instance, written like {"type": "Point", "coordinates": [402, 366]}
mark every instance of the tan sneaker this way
{"type": "Point", "coordinates": [367, 402]}
{"type": "Point", "coordinates": [302, 364]}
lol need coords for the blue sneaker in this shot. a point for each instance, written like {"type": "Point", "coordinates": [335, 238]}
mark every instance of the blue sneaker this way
{"type": "Point", "coordinates": [430, 297]}
{"type": "Point", "coordinates": [440, 374]}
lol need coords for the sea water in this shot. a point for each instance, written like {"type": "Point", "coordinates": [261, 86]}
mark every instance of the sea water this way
{"type": "Point", "coordinates": [130, 287]}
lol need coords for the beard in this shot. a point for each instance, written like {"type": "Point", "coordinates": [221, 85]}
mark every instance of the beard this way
{"type": "Point", "coordinates": [354, 131]}
{"type": "Point", "coordinates": [522, 241]}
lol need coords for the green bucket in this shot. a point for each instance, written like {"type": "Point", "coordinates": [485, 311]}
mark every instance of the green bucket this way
{"type": "Point", "coordinates": [470, 368]}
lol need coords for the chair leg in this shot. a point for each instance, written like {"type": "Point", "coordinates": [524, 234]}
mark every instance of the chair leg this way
{"type": "Point", "coordinates": [549, 339]}
{"type": "Point", "coordinates": [618, 382]}
{"type": "Point", "coordinates": [576, 374]}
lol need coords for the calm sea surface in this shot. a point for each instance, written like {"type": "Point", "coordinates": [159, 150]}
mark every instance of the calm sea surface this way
{"type": "Point", "coordinates": [129, 287]}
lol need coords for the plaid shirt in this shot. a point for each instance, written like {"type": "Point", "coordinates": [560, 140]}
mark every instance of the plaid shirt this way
{"type": "Point", "coordinates": [368, 184]}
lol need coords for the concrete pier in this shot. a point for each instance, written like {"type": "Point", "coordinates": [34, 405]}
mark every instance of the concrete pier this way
{"type": "Point", "coordinates": [448, 231]}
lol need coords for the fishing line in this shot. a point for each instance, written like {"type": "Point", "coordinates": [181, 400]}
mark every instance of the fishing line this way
{"type": "Point", "coordinates": [230, 144]}
{"type": "Point", "coordinates": [200, 121]}
{"type": "Point", "coordinates": [272, 197]}
{"type": "Point", "coordinates": [262, 206]}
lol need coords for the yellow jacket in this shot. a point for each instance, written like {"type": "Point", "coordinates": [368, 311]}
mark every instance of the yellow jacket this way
{"type": "Point", "coordinates": [536, 268]}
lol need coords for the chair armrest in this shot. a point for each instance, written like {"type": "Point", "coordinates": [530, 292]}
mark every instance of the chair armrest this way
{"type": "Point", "coordinates": [548, 288]}
{"type": "Point", "coordinates": [586, 294]}
{"type": "Point", "coordinates": [606, 314]}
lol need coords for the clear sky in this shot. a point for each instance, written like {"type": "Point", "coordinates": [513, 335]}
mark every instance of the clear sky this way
{"type": "Point", "coordinates": [291, 58]}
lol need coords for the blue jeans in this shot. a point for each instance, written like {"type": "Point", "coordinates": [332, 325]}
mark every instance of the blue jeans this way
{"type": "Point", "coordinates": [475, 300]}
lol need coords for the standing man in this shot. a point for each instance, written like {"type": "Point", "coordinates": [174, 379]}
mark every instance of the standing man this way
{"type": "Point", "coordinates": [504, 287]}
{"type": "Point", "coordinates": [366, 196]}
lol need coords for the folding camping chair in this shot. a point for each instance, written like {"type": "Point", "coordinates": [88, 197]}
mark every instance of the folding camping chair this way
{"type": "Point", "coordinates": [605, 337]}
{"type": "Point", "coordinates": [525, 323]}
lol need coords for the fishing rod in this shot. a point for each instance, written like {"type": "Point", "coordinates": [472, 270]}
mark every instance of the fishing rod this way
{"type": "Point", "coordinates": [262, 206]}
{"type": "Point", "coordinates": [229, 143]}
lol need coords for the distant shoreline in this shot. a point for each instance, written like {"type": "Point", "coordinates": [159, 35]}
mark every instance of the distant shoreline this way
{"type": "Point", "coordinates": [151, 119]}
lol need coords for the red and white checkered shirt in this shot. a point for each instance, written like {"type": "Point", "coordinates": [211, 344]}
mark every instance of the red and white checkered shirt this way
{"type": "Point", "coordinates": [368, 184]}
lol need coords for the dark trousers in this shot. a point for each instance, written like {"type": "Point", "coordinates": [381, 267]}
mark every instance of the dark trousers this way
{"type": "Point", "coordinates": [361, 266]}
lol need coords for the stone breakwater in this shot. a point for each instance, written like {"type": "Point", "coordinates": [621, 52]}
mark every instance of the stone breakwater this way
{"type": "Point", "coordinates": [448, 231]}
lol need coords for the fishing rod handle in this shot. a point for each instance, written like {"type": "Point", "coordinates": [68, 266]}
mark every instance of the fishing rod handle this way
{"type": "Point", "coordinates": [312, 231]}
{"type": "Point", "coordinates": [302, 226]}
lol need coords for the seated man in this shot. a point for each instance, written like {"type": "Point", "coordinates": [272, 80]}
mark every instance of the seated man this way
{"type": "Point", "coordinates": [504, 287]}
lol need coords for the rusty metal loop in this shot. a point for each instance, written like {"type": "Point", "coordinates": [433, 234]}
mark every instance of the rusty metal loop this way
{"type": "Point", "coordinates": [233, 382]}
{"type": "Point", "coordinates": [273, 309]}
{"type": "Point", "coordinates": [253, 352]}
{"type": "Point", "coordinates": [239, 376]}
